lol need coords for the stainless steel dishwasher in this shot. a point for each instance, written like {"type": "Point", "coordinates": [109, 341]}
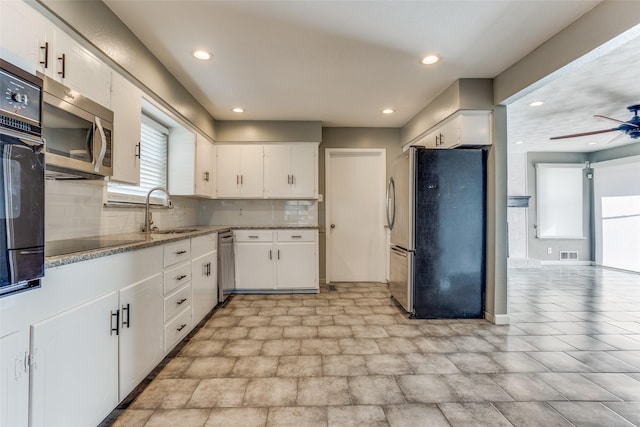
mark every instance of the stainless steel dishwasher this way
{"type": "Point", "coordinates": [226, 266]}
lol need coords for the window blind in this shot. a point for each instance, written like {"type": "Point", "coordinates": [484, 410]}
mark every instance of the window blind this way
{"type": "Point", "coordinates": [153, 166]}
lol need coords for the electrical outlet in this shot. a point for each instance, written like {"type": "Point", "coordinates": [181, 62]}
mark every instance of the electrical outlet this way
{"type": "Point", "coordinates": [549, 250]}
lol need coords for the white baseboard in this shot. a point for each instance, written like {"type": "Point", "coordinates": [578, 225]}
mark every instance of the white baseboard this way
{"type": "Point", "coordinates": [497, 319]}
{"type": "Point", "coordinates": [558, 262]}
{"type": "Point", "coordinates": [523, 263]}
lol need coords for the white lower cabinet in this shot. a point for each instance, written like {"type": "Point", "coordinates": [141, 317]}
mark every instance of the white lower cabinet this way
{"type": "Point", "coordinates": [141, 331]}
{"type": "Point", "coordinates": [204, 275]}
{"type": "Point", "coordinates": [14, 379]}
{"type": "Point", "coordinates": [74, 376]}
{"type": "Point", "coordinates": [283, 260]}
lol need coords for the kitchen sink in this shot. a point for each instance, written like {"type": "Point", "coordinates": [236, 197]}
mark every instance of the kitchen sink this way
{"type": "Point", "coordinates": [175, 231]}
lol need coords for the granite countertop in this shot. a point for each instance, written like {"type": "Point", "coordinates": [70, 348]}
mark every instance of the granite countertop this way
{"type": "Point", "coordinates": [139, 240]}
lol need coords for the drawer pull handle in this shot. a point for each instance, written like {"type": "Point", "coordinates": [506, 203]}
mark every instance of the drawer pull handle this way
{"type": "Point", "coordinates": [181, 301]}
{"type": "Point", "coordinates": [296, 237]}
{"type": "Point", "coordinates": [254, 237]}
{"type": "Point", "coordinates": [184, 325]}
{"type": "Point", "coordinates": [181, 252]}
{"type": "Point", "coordinates": [181, 277]}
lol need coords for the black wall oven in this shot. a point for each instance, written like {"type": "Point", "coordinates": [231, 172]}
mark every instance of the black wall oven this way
{"type": "Point", "coordinates": [21, 180]}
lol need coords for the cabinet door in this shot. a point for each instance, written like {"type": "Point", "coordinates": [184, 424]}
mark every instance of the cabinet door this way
{"type": "Point", "coordinates": [255, 266]}
{"type": "Point", "coordinates": [14, 379]}
{"type": "Point", "coordinates": [22, 31]}
{"type": "Point", "coordinates": [205, 177]}
{"type": "Point", "coordinates": [228, 171]}
{"type": "Point", "coordinates": [296, 266]}
{"type": "Point", "coordinates": [277, 171]}
{"type": "Point", "coordinates": [141, 331]}
{"type": "Point", "coordinates": [449, 134]}
{"type": "Point", "coordinates": [126, 101]}
{"type": "Point", "coordinates": [251, 171]}
{"type": "Point", "coordinates": [204, 281]}
{"type": "Point", "coordinates": [304, 171]}
{"type": "Point", "coordinates": [82, 71]}
{"type": "Point", "coordinates": [74, 380]}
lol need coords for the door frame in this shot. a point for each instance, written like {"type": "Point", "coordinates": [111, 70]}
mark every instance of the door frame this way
{"type": "Point", "coordinates": [382, 155]}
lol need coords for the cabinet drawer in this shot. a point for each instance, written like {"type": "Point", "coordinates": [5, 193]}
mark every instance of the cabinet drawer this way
{"type": "Point", "coordinates": [176, 252]}
{"type": "Point", "coordinates": [177, 276]}
{"type": "Point", "coordinates": [177, 301]}
{"type": "Point", "coordinates": [253, 235]}
{"type": "Point", "coordinates": [204, 244]}
{"type": "Point", "coordinates": [296, 235]}
{"type": "Point", "coordinates": [177, 329]}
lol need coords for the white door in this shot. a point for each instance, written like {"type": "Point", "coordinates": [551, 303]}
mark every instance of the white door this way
{"type": "Point", "coordinates": [127, 115]}
{"type": "Point", "coordinates": [355, 187]}
{"type": "Point", "coordinates": [205, 183]}
{"type": "Point", "coordinates": [205, 285]}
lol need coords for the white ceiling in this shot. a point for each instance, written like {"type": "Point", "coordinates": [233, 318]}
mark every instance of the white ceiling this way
{"type": "Point", "coordinates": [342, 62]}
{"type": "Point", "coordinates": [604, 83]}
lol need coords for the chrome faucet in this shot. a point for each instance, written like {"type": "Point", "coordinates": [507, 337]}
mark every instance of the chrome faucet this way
{"type": "Point", "coordinates": [147, 210]}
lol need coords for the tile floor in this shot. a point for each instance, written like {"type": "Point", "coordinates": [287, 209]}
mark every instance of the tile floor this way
{"type": "Point", "coordinates": [348, 357]}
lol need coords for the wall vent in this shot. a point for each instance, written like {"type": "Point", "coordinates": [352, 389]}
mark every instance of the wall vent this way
{"type": "Point", "coordinates": [569, 255]}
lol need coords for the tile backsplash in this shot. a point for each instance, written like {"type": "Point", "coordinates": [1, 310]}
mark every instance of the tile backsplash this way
{"type": "Point", "coordinates": [76, 209]}
{"type": "Point", "coordinates": [267, 212]}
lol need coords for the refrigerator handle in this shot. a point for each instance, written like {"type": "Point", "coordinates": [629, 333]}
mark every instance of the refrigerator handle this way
{"type": "Point", "coordinates": [391, 190]}
{"type": "Point", "coordinates": [399, 252]}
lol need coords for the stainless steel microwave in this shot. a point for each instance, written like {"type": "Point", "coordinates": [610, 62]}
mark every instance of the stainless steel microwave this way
{"type": "Point", "coordinates": [77, 133]}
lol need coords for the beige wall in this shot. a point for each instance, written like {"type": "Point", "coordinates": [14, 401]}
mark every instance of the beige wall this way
{"type": "Point", "coordinates": [110, 39]}
{"type": "Point", "coordinates": [268, 131]}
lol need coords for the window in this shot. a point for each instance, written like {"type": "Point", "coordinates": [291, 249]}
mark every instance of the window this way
{"type": "Point", "coordinates": [153, 166]}
{"type": "Point", "coordinates": [559, 194]}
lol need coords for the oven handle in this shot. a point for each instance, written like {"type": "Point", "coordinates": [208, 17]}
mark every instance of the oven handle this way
{"type": "Point", "coordinates": [31, 141]}
{"type": "Point", "coordinates": [103, 145]}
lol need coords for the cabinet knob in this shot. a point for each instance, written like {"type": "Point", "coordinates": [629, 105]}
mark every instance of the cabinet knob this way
{"type": "Point", "coordinates": [333, 226]}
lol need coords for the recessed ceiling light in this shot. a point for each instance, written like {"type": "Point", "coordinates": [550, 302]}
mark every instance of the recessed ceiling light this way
{"type": "Point", "coordinates": [387, 111]}
{"type": "Point", "coordinates": [518, 142]}
{"type": "Point", "coordinates": [202, 54]}
{"type": "Point", "coordinates": [536, 103]}
{"type": "Point", "coordinates": [430, 59]}
{"type": "Point", "coordinates": [238, 110]}
{"type": "Point", "coordinates": [592, 143]}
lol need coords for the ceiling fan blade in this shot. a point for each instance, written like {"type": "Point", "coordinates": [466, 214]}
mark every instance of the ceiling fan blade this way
{"type": "Point", "coordinates": [576, 135]}
{"type": "Point", "coordinates": [609, 118]}
{"type": "Point", "coordinates": [617, 137]}
{"type": "Point", "coordinates": [615, 120]}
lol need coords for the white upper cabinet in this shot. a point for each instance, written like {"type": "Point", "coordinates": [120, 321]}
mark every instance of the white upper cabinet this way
{"type": "Point", "coordinates": [127, 115]}
{"type": "Point", "coordinates": [191, 164]}
{"type": "Point", "coordinates": [205, 174]}
{"type": "Point", "coordinates": [23, 31]}
{"type": "Point", "coordinates": [75, 67]}
{"type": "Point", "coordinates": [464, 128]}
{"type": "Point", "coordinates": [240, 171]}
{"type": "Point", "coordinates": [291, 171]}
{"type": "Point", "coordinates": [28, 35]}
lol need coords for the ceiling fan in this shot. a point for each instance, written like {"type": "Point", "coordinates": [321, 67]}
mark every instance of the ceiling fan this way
{"type": "Point", "coordinates": [630, 127]}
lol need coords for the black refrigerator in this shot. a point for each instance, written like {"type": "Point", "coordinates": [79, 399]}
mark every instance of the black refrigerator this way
{"type": "Point", "coordinates": [436, 203]}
